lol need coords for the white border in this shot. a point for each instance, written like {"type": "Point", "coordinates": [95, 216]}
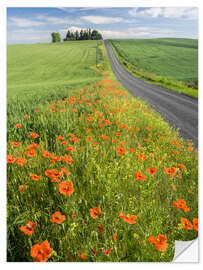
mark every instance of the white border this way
{"type": "Point", "coordinates": [73, 3]}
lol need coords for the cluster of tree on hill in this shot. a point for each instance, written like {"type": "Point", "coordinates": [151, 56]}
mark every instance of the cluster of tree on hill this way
{"type": "Point", "coordinates": [87, 34]}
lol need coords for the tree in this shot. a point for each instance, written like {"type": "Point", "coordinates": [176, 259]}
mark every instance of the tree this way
{"type": "Point", "coordinates": [56, 37]}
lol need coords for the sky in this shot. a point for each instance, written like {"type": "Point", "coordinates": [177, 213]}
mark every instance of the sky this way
{"type": "Point", "coordinates": [35, 25]}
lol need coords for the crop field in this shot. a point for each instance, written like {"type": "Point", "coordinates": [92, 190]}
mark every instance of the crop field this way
{"type": "Point", "coordinates": [94, 175]}
{"type": "Point", "coordinates": [167, 61]}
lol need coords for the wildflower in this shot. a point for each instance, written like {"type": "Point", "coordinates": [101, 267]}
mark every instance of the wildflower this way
{"type": "Point", "coordinates": [104, 137]}
{"type": "Point", "coordinates": [35, 177]}
{"type": "Point", "coordinates": [195, 222]}
{"type": "Point", "coordinates": [100, 228]}
{"type": "Point", "coordinates": [70, 148]}
{"type": "Point", "coordinates": [66, 188]}
{"type": "Point", "coordinates": [34, 135]}
{"type": "Point", "coordinates": [107, 251]}
{"type": "Point", "coordinates": [15, 144]}
{"type": "Point", "coordinates": [152, 170]}
{"type": "Point", "coordinates": [28, 228]}
{"type": "Point", "coordinates": [129, 219]}
{"type": "Point", "coordinates": [75, 140]}
{"type": "Point", "coordinates": [94, 143]}
{"type": "Point", "coordinates": [182, 166]}
{"type": "Point", "coordinates": [46, 154]}
{"type": "Point", "coordinates": [60, 137]}
{"type": "Point", "coordinates": [71, 135]}
{"type": "Point", "coordinates": [21, 161]}
{"type": "Point", "coordinates": [10, 159]}
{"type": "Point", "coordinates": [26, 116]}
{"type": "Point", "coordinates": [139, 176]}
{"type": "Point", "coordinates": [34, 145]}
{"type": "Point", "coordinates": [18, 125]}
{"type": "Point", "coordinates": [89, 138]}
{"type": "Point", "coordinates": [186, 224]}
{"type": "Point", "coordinates": [42, 252]}
{"type": "Point", "coordinates": [132, 150]}
{"type": "Point", "coordinates": [115, 237]}
{"type": "Point", "coordinates": [64, 171]}
{"type": "Point", "coordinates": [53, 173]}
{"type": "Point", "coordinates": [94, 251]}
{"type": "Point", "coordinates": [57, 218]}
{"type": "Point", "coordinates": [120, 150]}
{"type": "Point", "coordinates": [159, 241]}
{"type": "Point", "coordinates": [22, 188]}
{"type": "Point", "coordinates": [82, 256]}
{"type": "Point", "coordinates": [170, 171]}
{"type": "Point", "coordinates": [173, 187]}
{"type": "Point", "coordinates": [95, 212]}
{"type": "Point", "coordinates": [141, 157]}
{"type": "Point", "coordinates": [63, 142]}
{"type": "Point", "coordinates": [31, 152]}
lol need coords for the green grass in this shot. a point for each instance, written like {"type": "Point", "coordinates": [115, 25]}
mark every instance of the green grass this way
{"type": "Point", "coordinates": [42, 69]}
{"type": "Point", "coordinates": [100, 175]}
{"type": "Point", "coordinates": [170, 63]}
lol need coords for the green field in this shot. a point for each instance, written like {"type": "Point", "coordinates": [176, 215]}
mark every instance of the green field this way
{"type": "Point", "coordinates": [172, 59]}
{"type": "Point", "coordinates": [42, 69]}
{"type": "Point", "coordinates": [123, 180]}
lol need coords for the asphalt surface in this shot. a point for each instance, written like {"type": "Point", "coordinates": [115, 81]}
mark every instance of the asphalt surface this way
{"type": "Point", "coordinates": [178, 110]}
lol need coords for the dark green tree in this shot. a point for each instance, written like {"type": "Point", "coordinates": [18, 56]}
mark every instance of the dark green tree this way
{"type": "Point", "coordinates": [56, 37]}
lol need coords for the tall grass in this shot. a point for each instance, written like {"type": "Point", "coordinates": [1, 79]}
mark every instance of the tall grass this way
{"type": "Point", "coordinates": [99, 138]}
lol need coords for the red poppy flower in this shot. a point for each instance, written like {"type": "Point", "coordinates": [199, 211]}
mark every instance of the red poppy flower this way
{"type": "Point", "coordinates": [139, 176]}
{"type": "Point", "coordinates": [42, 252]}
{"type": "Point", "coordinates": [70, 148]}
{"type": "Point", "coordinates": [170, 171]}
{"type": "Point", "coordinates": [120, 150]}
{"type": "Point", "coordinates": [82, 256]}
{"type": "Point", "coordinates": [10, 159]}
{"type": "Point", "coordinates": [195, 222]}
{"type": "Point", "coordinates": [21, 161]}
{"type": "Point", "coordinates": [35, 177]}
{"type": "Point", "coordinates": [64, 171]}
{"type": "Point", "coordinates": [95, 212]}
{"type": "Point", "coordinates": [182, 166]}
{"type": "Point", "coordinates": [31, 152]}
{"type": "Point", "coordinates": [159, 241]}
{"type": "Point", "coordinates": [15, 144]}
{"type": "Point", "coordinates": [186, 224]}
{"type": "Point", "coordinates": [34, 145]}
{"type": "Point", "coordinates": [18, 125]}
{"type": "Point", "coordinates": [107, 251]}
{"type": "Point", "coordinates": [100, 228]}
{"type": "Point", "coordinates": [53, 173]}
{"type": "Point", "coordinates": [34, 135]}
{"type": "Point", "coordinates": [141, 157]}
{"type": "Point", "coordinates": [28, 228]}
{"type": "Point", "coordinates": [89, 138]}
{"type": "Point", "coordinates": [66, 188]}
{"type": "Point", "coordinates": [57, 218]}
{"type": "Point", "coordinates": [152, 170]}
{"type": "Point", "coordinates": [129, 219]}
{"type": "Point", "coordinates": [22, 188]}
{"type": "Point", "coordinates": [60, 137]}
{"type": "Point", "coordinates": [115, 237]}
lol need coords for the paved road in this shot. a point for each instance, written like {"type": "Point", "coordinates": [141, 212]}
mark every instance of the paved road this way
{"type": "Point", "coordinates": [179, 110]}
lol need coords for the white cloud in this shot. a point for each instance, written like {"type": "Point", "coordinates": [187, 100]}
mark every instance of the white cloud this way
{"type": "Point", "coordinates": [101, 19]}
{"type": "Point", "coordinates": [19, 22]}
{"type": "Point", "coordinates": [65, 20]}
{"type": "Point", "coordinates": [167, 12]}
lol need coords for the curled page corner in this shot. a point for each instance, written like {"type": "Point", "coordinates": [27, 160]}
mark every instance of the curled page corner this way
{"type": "Point", "coordinates": [182, 247]}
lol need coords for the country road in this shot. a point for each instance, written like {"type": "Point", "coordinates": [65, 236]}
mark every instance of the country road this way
{"type": "Point", "coordinates": [178, 110]}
